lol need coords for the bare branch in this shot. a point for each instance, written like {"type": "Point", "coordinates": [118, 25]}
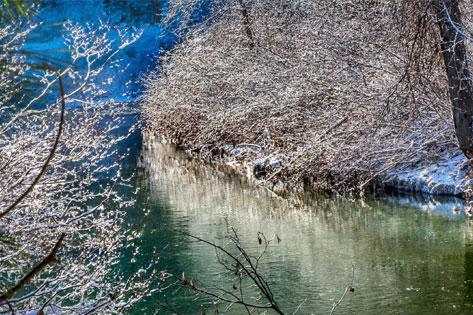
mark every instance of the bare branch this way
{"type": "Point", "coordinates": [44, 167]}
{"type": "Point", "coordinates": [50, 258]}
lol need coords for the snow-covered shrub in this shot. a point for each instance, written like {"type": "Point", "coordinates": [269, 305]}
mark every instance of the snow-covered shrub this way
{"type": "Point", "coordinates": [341, 92]}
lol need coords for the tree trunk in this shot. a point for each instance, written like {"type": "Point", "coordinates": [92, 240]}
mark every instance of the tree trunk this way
{"type": "Point", "coordinates": [246, 23]}
{"type": "Point", "coordinates": [456, 66]}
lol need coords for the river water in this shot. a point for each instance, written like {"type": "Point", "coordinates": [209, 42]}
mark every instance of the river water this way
{"type": "Point", "coordinates": [410, 255]}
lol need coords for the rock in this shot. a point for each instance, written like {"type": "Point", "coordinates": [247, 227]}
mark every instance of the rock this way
{"type": "Point", "coordinates": [259, 170]}
{"type": "Point", "coordinates": [274, 164]}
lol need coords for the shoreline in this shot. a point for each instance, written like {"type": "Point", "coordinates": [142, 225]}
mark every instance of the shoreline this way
{"type": "Point", "coordinates": [432, 185]}
{"type": "Point", "coordinates": [306, 111]}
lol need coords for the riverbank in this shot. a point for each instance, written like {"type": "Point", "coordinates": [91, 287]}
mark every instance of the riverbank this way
{"type": "Point", "coordinates": [308, 107]}
{"type": "Point", "coordinates": [446, 177]}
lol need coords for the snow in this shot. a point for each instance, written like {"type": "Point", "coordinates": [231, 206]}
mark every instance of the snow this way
{"type": "Point", "coordinates": [447, 206]}
{"type": "Point", "coordinates": [448, 176]}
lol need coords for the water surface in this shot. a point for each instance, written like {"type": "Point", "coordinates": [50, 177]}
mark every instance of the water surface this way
{"type": "Point", "coordinates": [411, 256]}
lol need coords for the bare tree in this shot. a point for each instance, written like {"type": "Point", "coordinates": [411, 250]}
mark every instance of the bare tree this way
{"type": "Point", "coordinates": [339, 94]}
{"type": "Point", "coordinates": [242, 267]}
{"type": "Point", "coordinates": [454, 54]}
{"type": "Point", "coordinates": [247, 23]}
{"type": "Point", "coordinates": [184, 12]}
{"type": "Point", "coordinates": [61, 216]}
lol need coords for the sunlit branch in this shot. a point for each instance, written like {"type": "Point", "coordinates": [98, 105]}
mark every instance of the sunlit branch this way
{"type": "Point", "coordinates": [44, 167]}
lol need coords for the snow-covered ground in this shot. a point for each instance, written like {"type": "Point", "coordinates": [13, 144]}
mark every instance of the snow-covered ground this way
{"type": "Point", "coordinates": [448, 176]}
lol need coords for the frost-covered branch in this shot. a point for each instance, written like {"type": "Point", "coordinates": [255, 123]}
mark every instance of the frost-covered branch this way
{"type": "Point", "coordinates": [59, 175]}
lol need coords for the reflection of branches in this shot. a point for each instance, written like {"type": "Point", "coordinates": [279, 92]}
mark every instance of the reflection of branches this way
{"type": "Point", "coordinates": [349, 287]}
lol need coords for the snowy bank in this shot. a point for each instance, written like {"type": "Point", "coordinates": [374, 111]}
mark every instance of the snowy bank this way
{"type": "Point", "coordinates": [317, 102]}
{"type": "Point", "coordinates": [448, 176]}
{"type": "Point", "coordinates": [158, 148]}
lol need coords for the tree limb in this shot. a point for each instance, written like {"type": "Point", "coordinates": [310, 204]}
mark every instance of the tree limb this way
{"type": "Point", "coordinates": [50, 258]}
{"type": "Point", "coordinates": [48, 160]}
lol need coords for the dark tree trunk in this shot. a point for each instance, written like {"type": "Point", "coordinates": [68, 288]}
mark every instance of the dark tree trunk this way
{"type": "Point", "coordinates": [246, 22]}
{"type": "Point", "coordinates": [456, 66]}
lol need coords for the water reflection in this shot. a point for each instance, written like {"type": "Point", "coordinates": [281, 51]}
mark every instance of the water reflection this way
{"type": "Point", "coordinates": [468, 278]}
{"type": "Point", "coordinates": [406, 260]}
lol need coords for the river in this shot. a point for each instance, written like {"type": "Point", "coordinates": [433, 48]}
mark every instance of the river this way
{"type": "Point", "coordinates": [410, 255]}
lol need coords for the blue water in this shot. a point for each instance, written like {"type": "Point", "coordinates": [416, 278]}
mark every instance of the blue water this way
{"type": "Point", "coordinates": [411, 254]}
{"type": "Point", "coordinates": [46, 42]}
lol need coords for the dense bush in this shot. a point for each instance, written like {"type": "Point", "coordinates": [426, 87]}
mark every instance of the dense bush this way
{"type": "Point", "coordinates": [341, 92]}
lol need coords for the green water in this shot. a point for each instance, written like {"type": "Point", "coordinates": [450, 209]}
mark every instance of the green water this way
{"type": "Point", "coordinates": [411, 256]}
